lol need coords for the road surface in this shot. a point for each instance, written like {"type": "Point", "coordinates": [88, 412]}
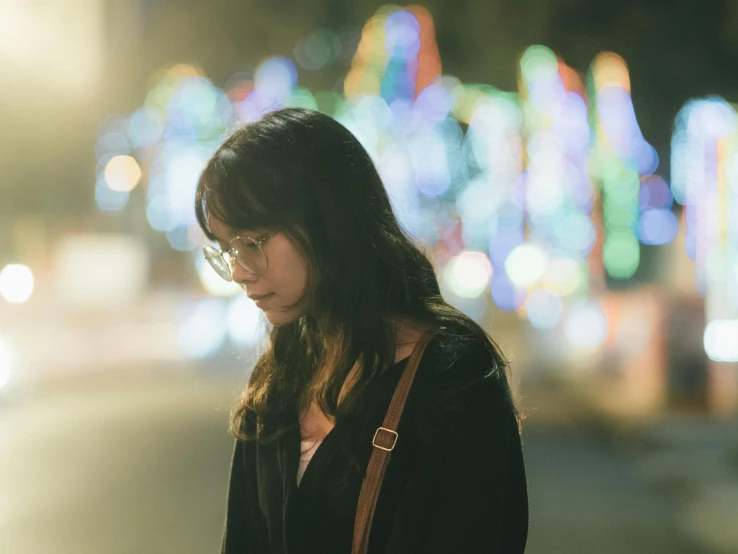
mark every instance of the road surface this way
{"type": "Point", "coordinates": [137, 463]}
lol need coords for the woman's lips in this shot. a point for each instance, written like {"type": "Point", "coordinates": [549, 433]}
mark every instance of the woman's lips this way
{"type": "Point", "coordinates": [260, 301]}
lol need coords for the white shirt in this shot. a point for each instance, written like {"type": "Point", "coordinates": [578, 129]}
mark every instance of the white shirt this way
{"type": "Point", "coordinates": [307, 449]}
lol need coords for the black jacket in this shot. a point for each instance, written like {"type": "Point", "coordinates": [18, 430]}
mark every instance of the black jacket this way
{"type": "Point", "coordinates": [455, 483]}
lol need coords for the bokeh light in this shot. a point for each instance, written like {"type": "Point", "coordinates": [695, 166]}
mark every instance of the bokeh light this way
{"type": "Point", "coordinates": [705, 181]}
{"type": "Point", "coordinates": [246, 322]}
{"type": "Point", "coordinates": [655, 193]}
{"type": "Point", "coordinates": [585, 325]}
{"type": "Point", "coordinates": [721, 340]}
{"type": "Point", "coordinates": [202, 327]}
{"type": "Point", "coordinates": [16, 283]}
{"type": "Point", "coordinates": [621, 254]}
{"type": "Point", "coordinates": [213, 282]}
{"type": "Point", "coordinates": [274, 80]}
{"type": "Point", "coordinates": [107, 199]}
{"type": "Point", "coordinates": [622, 159]}
{"type": "Point", "coordinates": [467, 274]}
{"type": "Point", "coordinates": [318, 49]}
{"type": "Point", "coordinates": [145, 127]}
{"type": "Point", "coordinates": [543, 309]}
{"type": "Point", "coordinates": [526, 265]}
{"type": "Point", "coordinates": [532, 195]}
{"type": "Point", "coordinates": [657, 227]}
{"type": "Point", "coordinates": [507, 296]}
{"type": "Point", "coordinates": [522, 165]}
{"type": "Point", "coordinates": [122, 173]}
{"type": "Point", "coordinates": [566, 276]}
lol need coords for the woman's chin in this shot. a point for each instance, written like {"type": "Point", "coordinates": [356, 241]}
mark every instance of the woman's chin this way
{"type": "Point", "coordinates": [277, 318]}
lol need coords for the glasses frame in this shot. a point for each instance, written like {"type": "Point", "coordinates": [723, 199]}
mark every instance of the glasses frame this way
{"type": "Point", "coordinates": [209, 251]}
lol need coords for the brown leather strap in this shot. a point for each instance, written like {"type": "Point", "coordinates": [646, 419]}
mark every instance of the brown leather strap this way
{"type": "Point", "coordinates": [384, 441]}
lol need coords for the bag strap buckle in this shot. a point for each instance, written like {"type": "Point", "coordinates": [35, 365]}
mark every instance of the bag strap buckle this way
{"type": "Point", "coordinates": [390, 437]}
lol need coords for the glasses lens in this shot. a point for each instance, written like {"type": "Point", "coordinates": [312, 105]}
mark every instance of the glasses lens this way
{"type": "Point", "coordinates": [250, 255]}
{"type": "Point", "coordinates": [217, 262]}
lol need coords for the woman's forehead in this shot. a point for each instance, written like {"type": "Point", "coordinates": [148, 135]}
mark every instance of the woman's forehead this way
{"type": "Point", "coordinates": [220, 229]}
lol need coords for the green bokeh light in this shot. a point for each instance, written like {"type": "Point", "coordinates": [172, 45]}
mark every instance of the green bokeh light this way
{"type": "Point", "coordinates": [621, 254]}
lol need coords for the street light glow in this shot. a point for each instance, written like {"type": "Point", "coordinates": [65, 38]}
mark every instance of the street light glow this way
{"type": "Point", "coordinates": [16, 283]}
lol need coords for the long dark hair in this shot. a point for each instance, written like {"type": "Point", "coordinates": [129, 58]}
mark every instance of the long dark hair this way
{"type": "Point", "coordinates": [301, 170]}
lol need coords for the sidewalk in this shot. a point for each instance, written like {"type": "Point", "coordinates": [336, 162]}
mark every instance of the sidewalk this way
{"type": "Point", "coordinates": [690, 460]}
{"type": "Point", "coordinates": [693, 459]}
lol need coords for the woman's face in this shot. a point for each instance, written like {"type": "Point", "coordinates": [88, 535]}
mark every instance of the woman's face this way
{"type": "Point", "coordinates": [281, 285]}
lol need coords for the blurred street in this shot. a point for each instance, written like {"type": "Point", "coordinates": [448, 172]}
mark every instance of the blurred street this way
{"type": "Point", "coordinates": [130, 464]}
{"type": "Point", "coordinates": [137, 462]}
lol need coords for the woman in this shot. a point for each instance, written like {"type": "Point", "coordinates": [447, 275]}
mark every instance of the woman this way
{"type": "Point", "coordinates": [305, 226]}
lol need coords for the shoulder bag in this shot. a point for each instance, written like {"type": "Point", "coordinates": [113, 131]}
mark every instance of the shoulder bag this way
{"type": "Point", "coordinates": [384, 442]}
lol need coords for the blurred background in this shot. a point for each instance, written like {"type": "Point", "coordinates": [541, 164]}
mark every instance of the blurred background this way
{"type": "Point", "coordinates": [571, 167]}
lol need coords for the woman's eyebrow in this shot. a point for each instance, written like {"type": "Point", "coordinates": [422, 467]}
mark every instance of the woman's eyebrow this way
{"type": "Point", "coordinates": [251, 233]}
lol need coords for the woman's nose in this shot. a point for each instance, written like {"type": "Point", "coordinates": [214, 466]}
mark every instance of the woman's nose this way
{"type": "Point", "coordinates": [242, 275]}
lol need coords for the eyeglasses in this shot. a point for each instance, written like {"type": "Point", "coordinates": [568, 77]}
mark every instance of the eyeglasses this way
{"type": "Point", "coordinates": [247, 251]}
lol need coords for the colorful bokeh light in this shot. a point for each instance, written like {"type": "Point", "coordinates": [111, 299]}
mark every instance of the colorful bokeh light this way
{"type": "Point", "coordinates": [528, 196]}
